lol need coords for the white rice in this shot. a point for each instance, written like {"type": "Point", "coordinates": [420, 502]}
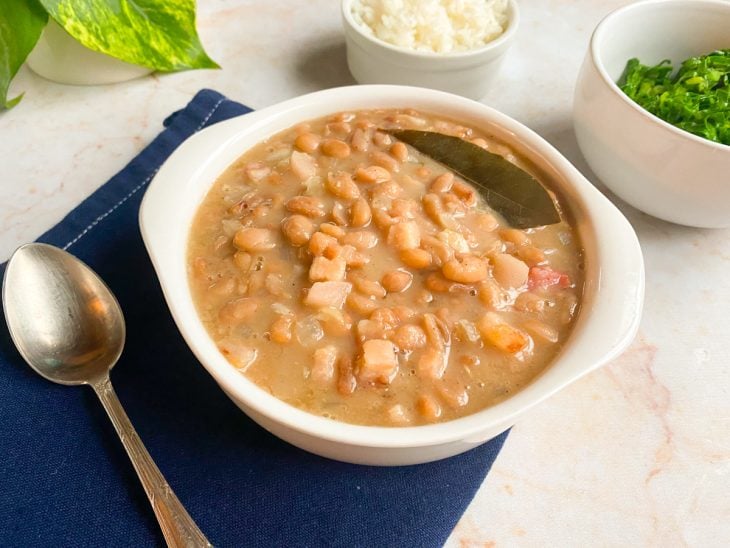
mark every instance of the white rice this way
{"type": "Point", "coordinates": [437, 26]}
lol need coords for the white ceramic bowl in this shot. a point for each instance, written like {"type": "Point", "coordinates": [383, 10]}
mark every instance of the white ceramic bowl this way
{"type": "Point", "coordinates": [651, 164]}
{"type": "Point", "coordinates": [469, 73]}
{"type": "Point", "coordinates": [606, 324]}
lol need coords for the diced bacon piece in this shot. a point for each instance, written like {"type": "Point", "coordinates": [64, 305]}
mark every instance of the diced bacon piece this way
{"type": "Point", "coordinates": [323, 368]}
{"type": "Point", "coordinates": [320, 242]}
{"type": "Point", "coordinates": [378, 362]}
{"type": "Point", "coordinates": [405, 235]}
{"type": "Point", "coordinates": [502, 335]}
{"type": "Point", "coordinates": [323, 294]}
{"type": "Point", "coordinates": [323, 269]}
{"type": "Point", "coordinates": [544, 276]}
{"type": "Point", "coordinates": [432, 363]}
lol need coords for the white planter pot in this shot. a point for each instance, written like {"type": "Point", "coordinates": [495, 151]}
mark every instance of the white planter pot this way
{"type": "Point", "coordinates": [58, 57]}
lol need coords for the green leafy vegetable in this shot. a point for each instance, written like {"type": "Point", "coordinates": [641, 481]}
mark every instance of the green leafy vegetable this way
{"type": "Point", "coordinates": [159, 34]}
{"type": "Point", "coordinates": [696, 99]}
{"type": "Point", "coordinates": [21, 23]}
{"type": "Point", "coordinates": [509, 190]}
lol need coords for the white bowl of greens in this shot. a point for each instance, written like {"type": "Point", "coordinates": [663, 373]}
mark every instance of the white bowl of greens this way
{"type": "Point", "coordinates": [664, 151]}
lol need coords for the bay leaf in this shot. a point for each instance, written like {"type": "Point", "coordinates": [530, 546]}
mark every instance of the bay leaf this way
{"type": "Point", "coordinates": [507, 189]}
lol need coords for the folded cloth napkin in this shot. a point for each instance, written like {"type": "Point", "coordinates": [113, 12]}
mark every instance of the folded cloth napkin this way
{"type": "Point", "coordinates": [66, 481]}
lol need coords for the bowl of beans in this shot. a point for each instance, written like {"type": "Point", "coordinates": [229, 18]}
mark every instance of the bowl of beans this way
{"type": "Point", "coordinates": [363, 301]}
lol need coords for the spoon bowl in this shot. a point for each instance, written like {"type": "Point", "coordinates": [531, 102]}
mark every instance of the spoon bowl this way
{"type": "Point", "coordinates": [68, 326]}
{"type": "Point", "coordinates": [64, 320]}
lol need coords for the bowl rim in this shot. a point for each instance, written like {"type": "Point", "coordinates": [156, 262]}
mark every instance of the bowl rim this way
{"type": "Point", "coordinates": [619, 309]}
{"type": "Point", "coordinates": [505, 37]}
{"type": "Point", "coordinates": [595, 49]}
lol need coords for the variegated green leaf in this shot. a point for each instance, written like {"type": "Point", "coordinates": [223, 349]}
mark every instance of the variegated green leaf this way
{"type": "Point", "coordinates": [21, 23]}
{"type": "Point", "coordinates": [159, 34]}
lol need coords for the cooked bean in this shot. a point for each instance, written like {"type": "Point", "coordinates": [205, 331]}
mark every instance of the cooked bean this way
{"type": "Point", "coordinates": [297, 229]}
{"type": "Point", "coordinates": [254, 239]}
{"type": "Point", "coordinates": [361, 239]}
{"type": "Point", "coordinates": [339, 214]}
{"type": "Point", "coordinates": [532, 255]}
{"type": "Point", "coordinates": [372, 174]}
{"type": "Point", "coordinates": [361, 304]}
{"type": "Point", "coordinates": [490, 293]}
{"type": "Point", "coordinates": [360, 141]}
{"type": "Point", "coordinates": [467, 270]}
{"type": "Point", "coordinates": [306, 205]}
{"type": "Point", "coordinates": [397, 281]}
{"type": "Point", "coordinates": [443, 182]}
{"type": "Point", "coordinates": [399, 151]}
{"type": "Point", "coordinates": [384, 160]}
{"type": "Point", "coordinates": [502, 335]}
{"type": "Point", "coordinates": [367, 286]}
{"type": "Point", "coordinates": [382, 139]}
{"type": "Point", "coordinates": [341, 185]}
{"type": "Point", "coordinates": [335, 148]}
{"type": "Point", "coordinates": [434, 209]}
{"type": "Point", "coordinates": [416, 258]}
{"type": "Point", "coordinates": [465, 192]}
{"type": "Point", "coordinates": [360, 213]}
{"type": "Point", "coordinates": [512, 235]}
{"type": "Point", "coordinates": [307, 142]}
{"type": "Point", "coordinates": [332, 230]}
{"type": "Point", "coordinates": [409, 337]}
{"type": "Point", "coordinates": [382, 219]}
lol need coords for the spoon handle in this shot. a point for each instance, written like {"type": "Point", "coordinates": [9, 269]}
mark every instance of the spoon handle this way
{"type": "Point", "coordinates": [177, 526]}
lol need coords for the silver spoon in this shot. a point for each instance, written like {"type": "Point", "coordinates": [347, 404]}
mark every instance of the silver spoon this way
{"type": "Point", "coordinates": [70, 329]}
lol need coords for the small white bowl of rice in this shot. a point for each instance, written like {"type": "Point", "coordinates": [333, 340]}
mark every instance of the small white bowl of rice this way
{"type": "Point", "coordinates": [450, 45]}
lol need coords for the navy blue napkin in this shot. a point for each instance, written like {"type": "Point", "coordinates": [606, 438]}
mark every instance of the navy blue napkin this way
{"type": "Point", "coordinates": [66, 481]}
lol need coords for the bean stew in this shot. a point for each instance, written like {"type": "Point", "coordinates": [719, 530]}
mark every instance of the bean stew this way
{"type": "Point", "coordinates": [351, 276]}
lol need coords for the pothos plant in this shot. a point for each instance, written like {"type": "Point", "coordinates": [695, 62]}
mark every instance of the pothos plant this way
{"type": "Point", "coordinates": [158, 34]}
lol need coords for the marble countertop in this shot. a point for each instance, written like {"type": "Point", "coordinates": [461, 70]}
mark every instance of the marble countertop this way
{"type": "Point", "coordinates": [637, 453]}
